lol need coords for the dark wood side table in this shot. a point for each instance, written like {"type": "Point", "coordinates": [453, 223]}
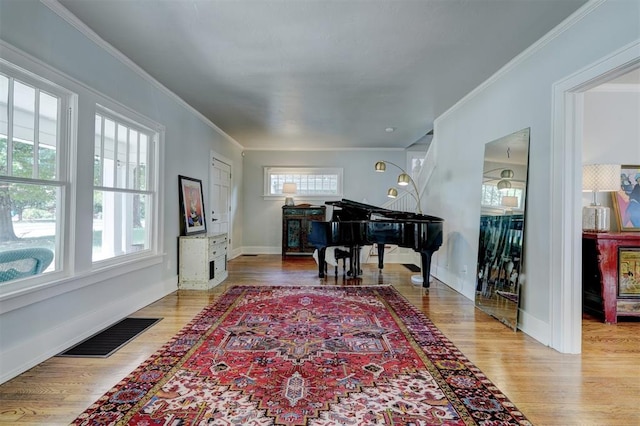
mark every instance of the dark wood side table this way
{"type": "Point", "coordinates": [296, 226]}
{"type": "Point", "coordinates": [600, 295]}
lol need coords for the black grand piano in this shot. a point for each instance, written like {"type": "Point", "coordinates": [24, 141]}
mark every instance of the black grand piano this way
{"type": "Point", "coordinates": [355, 224]}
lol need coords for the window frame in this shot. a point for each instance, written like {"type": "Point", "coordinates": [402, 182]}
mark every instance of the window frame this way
{"type": "Point", "coordinates": [292, 171]}
{"type": "Point", "coordinates": [65, 145]}
{"type": "Point", "coordinates": [133, 120]}
{"type": "Point", "coordinates": [77, 270]}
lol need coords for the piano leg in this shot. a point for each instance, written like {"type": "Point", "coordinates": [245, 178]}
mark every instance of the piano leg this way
{"type": "Point", "coordinates": [426, 267]}
{"type": "Point", "coordinates": [380, 256]}
{"type": "Point", "coordinates": [354, 261]}
{"type": "Point", "coordinates": [321, 261]}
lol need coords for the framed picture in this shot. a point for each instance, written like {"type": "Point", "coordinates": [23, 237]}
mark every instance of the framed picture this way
{"type": "Point", "coordinates": [191, 206]}
{"type": "Point", "coordinates": [626, 201]}
{"type": "Point", "coordinates": [629, 272]}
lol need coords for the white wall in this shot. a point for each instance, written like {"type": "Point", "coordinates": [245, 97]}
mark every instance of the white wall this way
{"type": "Point", "coordinates": [41, 323]}
{"type": "Point", "coordinates": [263, 217]}
{"type": "Point", "coordinates": [519, 96]}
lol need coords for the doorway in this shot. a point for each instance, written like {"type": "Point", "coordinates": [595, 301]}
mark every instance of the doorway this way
{"type": "Point", "coordinates": [565, 304]}
{"type": "Point", "coordinates": [219, 194]}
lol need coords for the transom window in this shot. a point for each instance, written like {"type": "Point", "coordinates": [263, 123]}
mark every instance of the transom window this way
{"type": "Point", "coordinates": [124, 189]}
{"type": "Point", "coordinates": [310, 181]}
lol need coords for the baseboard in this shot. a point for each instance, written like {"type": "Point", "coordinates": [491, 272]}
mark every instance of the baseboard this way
{"type": "Point", "coordinates": [29, 352]}
{"type": "Point", "coordinates": [537, 329]}
{"type": "Point", "coordinates": [261, 250]}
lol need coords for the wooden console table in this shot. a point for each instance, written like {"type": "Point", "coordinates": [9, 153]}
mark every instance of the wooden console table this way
{"type": "Point", "coordinates": [600, 295]}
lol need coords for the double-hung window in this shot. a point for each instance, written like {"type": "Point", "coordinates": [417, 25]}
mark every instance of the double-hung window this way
{"type": "Point", "coordinates": [34, 127]}
{"type": "Point", "coordinates": [125, 186]}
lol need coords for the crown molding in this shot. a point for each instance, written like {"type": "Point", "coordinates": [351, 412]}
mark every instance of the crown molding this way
{"type": "Point", "coordinates": [527, 53]}
{"type": "Point", "coordinates": [73, 20]}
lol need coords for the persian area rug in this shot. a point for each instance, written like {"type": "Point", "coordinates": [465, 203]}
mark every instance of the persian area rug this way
{"type": "Point", "coordinates": [306, 356]}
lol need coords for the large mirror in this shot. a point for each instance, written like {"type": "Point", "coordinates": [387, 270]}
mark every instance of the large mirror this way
{"type": "Point", "coordinates": [500, 249]}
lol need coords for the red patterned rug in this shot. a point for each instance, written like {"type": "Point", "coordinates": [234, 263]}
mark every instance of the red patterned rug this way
{"type": "Point", "coordinates": [306, 356]}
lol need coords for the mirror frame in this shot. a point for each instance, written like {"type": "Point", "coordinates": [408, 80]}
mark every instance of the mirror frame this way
{"type": "Point", "coordinates": [500, 265]}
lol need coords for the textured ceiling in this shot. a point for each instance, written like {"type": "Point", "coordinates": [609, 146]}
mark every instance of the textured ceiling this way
{"type": "Point", "coordinates": [321, 74]}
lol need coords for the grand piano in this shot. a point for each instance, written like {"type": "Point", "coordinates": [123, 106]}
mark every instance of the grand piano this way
{"type": "Point", "coordinates": [355, 224]}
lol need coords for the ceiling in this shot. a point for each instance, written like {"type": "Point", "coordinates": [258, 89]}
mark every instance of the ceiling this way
{"type": "Point", "coordinates": [321, 74]}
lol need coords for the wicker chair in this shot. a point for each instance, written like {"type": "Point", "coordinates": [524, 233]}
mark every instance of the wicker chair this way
{"type": "Point", "coordinates": [21, 263]}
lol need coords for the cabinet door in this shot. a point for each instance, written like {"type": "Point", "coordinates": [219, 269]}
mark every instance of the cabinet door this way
{"type": "Point", "coordinates": [293, 234]}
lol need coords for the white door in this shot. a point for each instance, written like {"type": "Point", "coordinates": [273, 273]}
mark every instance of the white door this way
{"type": "Point", "coordinates": [220, 190]}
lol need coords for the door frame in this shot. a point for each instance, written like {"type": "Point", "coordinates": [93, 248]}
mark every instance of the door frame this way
{"type": "Point", "coordinates": [565, 254]}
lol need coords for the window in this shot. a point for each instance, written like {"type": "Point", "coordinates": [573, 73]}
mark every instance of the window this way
{"type": "Point", "coordinates": [33, 170]}
{"type": "Point", "coordinates": [124, 186]}
{"type": "Point", "coordinates": [415, 161]}
{"type": "Point", "coordinates": [492, 197]}
{"type": "Point", "coordinates": [310, 181]}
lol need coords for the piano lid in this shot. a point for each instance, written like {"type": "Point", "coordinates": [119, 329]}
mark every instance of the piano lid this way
{"type": "Point", "coordinates": [353, 210]}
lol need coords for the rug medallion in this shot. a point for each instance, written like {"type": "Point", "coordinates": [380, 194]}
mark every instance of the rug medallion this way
{"type": "Point", "coordinates": [306, 356]}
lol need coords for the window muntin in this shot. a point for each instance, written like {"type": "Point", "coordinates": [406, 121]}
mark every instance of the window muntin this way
{"type": "Point", "coordinates": [31, 142]}
{"type": "Point", "coordinates": [310, 181]}
{"type": "Point", "coordinates": [123, 205]}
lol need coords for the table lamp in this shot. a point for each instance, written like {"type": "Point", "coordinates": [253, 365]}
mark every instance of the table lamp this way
{"type": "Point", "coordinates": [289, 189]}
{"type": "Point", "coordinates": [598, 178]}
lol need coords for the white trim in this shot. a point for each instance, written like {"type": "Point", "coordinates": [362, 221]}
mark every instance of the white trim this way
{"type": "Point", "coordinates": [268, 171]}
{"type": "Point", "coordinates": [537, 329]}
{"type": "Point", "coordinates": [565, 259]}
{"type": "Point", "coordinates": [21, 297]}
{"type": "Point", "coordinates": [261, 249]}
{"type": "Point", "coordinates": [126, 117]}
{"type": "Point", "coordinates": [617, 88]}
{"type": "Point", "coordinates": [71, 19]}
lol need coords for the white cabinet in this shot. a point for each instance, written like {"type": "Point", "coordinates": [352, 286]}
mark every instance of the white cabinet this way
{"type": "Point", "coordinates": [203, 261]}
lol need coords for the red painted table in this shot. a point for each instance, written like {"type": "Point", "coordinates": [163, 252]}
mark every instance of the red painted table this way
{"type": "Point", "coordinates": [600, 295]}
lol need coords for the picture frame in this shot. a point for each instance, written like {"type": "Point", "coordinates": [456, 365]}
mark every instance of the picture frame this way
{"type": "Point", "coordinates": [629, 272]}
{"type": "Point", "coordinates": [626, 201]}
{"type": "Point", "coordinates": [192, 217]}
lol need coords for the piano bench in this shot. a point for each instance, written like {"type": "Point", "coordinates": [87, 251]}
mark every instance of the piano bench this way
{"type": "Point", "coordinates": [340, 254]}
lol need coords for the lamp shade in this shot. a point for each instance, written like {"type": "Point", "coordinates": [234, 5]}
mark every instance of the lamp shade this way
{"type": "Point", "coordinates": [507, 174]}
{"type": "Point", "coordinates": [503, 184]}
{"type": "Point", "coordinates": [404, 179]}
{"type": "Point", "coordinates": [392, 193]}
{"type": "Point", "coordinates": [289, 188]}
{"type": "Point", "coordinates": [381, 166]}
{"type": "Point", "coordinates": [601, 177]}
{"type": "Point", "coordinates": [509, 201]}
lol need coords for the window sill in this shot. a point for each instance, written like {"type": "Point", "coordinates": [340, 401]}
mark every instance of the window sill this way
{"type": "Point", "coordinates": [23, 293]}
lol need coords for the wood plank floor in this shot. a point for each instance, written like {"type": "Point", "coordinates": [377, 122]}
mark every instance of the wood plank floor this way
{"type": "Point", "coordinates": [599, 387]}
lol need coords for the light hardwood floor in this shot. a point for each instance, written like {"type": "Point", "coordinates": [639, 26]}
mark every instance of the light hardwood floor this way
{"type": "Point", "coordinates": [599, 387]}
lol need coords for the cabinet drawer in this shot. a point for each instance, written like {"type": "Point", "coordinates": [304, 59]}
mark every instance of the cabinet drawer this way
{"type": "Point", "coordinates": [217, 250]}
{"type": "Point", "coordinates": [217, 245]}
